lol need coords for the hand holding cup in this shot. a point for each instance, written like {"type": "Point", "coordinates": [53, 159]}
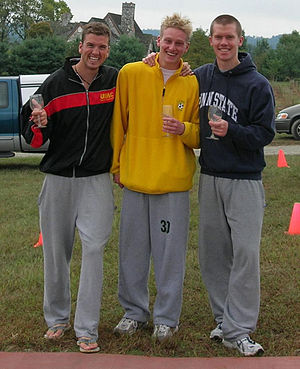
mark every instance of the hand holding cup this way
{"type": "Point", "coordinates": [37, 105]}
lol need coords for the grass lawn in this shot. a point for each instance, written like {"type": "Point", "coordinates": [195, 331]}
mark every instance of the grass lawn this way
{"type": "Point", "coordinates": [284, 139]}
{"type": "Point", "coordinates": [21, 286]}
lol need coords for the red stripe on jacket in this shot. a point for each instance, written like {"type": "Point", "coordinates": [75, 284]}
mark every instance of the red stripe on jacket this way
{"type": "Point", "coordinates": [76, 100]}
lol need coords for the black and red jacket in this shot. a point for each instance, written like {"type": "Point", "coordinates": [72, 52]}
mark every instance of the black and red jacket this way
{"type": "Point", "coordinates": [79, 121]}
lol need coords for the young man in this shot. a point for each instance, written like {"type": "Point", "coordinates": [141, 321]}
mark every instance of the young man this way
{"type": "Point", "coordinates": [231, 193]}
{"type": "Point", "coordinates": [77, 190]}
{"type": "Point", "coordinates": [153, 160]}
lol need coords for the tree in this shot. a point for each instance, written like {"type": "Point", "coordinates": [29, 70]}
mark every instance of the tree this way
{"type": "Point", "coordinates": [288, 52]}
{"type": "Point", "coordinates": [72, 48]}
{"type": "Point", "coordinates": [40, 29]}
{"type": "Point", "coordinates": [126, 50]}
{"type": "Point", "coordinates": [52, 10]}
{"type": "Point", "coordinates": [200, 51]}
{"type": "Point", "coordinates": [23, 13]}
{"type": "Point", "coordinates": [271, 66]}
{"type": "Point", "coordinates": [3, 58]}
{"type": "Point", "coordinates": [265, 59]}
{"type": "Point", "coordinates": [251, 49]}
{"type": "Point", "coordinates": [5, 16]}
{"type": "Point", "coordinates": [38, 55]}
{"type": "Point", "coordinates": [244, 47]}
{"type": "Point", "coordinates": [260, 53]}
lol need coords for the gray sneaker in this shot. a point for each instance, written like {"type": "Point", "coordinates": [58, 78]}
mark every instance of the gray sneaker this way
{"type": "Point", "coordinates": [245, 346]}
{"type": "Point", "coordinates": [128, 326]}
{"type": "Point", "coordinates": [163, 332]}
{"type": "Point", "coordinates": [217, 333]}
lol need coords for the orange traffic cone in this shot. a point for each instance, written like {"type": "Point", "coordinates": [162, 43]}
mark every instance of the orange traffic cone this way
{"type": "Point", "coordinates": [281, 162]}
{"type": "Point", "coordinates": [40, 241]}
{"type": "Point", "coordinates": [294, 227]}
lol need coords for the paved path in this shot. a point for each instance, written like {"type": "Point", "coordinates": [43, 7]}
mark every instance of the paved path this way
{"type": "Point", "coordinates": [39, 360]}
{"type": "Point", "coordinates": [273, 150]}
{"type": "Point", "coordinates": [288, 150]}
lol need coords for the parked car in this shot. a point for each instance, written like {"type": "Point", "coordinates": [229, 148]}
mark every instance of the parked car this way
{"type": "Point", "coordinates": [288, 121]}
{"type": "Point", "coordinates": [14, 92]}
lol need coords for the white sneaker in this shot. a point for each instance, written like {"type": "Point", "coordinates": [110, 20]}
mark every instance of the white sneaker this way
{"type": "Point", "coordinates": [128, 326]}
{"type": "Point", "coordinates": [217, 333]}
{"type": "Point", "coordinates": [246, 346]}
{"type": "Point", "coordinates": [162, 332]}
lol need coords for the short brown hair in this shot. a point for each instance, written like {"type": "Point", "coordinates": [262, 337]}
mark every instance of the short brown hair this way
{"type": "Point", "coordinates": [176, 21]}
{"type": "Point", "coordinates": [96, 28]}
{"type": "Point", "coordinates": [225, 19]}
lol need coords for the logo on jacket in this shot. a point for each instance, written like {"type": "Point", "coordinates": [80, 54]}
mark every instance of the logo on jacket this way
{"type": "Point", "coordinates": [180, 105]}
{"type": "Point", "coordinates": [220, 100]}
{"type": "Point", "coordinates": [107, 96]}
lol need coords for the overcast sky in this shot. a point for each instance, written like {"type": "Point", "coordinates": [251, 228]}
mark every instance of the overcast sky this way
{"type": "Point", "coordinates": [258, 17]}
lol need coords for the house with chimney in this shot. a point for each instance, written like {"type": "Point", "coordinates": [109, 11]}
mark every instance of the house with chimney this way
{"type": "Point", "coordinates": [119, 24]}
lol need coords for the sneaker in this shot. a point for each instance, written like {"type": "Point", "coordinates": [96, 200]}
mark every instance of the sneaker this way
{"type": "Point", "coordinates": [246, 346]}
{"type": "Point", "coordinates": [162, 332]}
{"type": "Point", "coordinates": [217, 333]}
{"type": "Point", "coordinates": [128, 326]}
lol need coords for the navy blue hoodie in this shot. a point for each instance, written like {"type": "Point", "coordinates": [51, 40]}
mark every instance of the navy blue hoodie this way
{"type": "Point", "coordinates": [247, 102]}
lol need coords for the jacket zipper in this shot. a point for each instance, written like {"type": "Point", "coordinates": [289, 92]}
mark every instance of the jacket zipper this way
{"type": "Point", "coordinates": [87, 121]}
{"type": "Point", "coordinates": [87, 126]}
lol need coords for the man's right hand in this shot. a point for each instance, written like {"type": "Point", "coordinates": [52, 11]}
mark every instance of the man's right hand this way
{"type": "Point", "coordinates": [39, 117]}
{"type": "Point", "coordinates": [150, 59]}
{"type": "Point", "coordinates": [186, 68]}
{"type": "Point", "coordinates": [116, 178]}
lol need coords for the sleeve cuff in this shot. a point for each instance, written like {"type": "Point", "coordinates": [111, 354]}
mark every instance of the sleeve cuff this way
{"type": "Point", "coordinates": [37, 140]}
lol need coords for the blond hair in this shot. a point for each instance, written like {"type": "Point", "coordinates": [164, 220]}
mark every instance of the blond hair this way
{"type": "Point", "coordinates": [176, 21]}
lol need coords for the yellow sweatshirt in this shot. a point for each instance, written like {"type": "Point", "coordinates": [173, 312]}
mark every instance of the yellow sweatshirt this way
{"type": "Point", "coordinates": [147, 161]}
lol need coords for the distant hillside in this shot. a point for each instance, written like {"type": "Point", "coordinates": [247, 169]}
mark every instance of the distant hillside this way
{"type": "Point", "coordinates": [154, 32]}
{"type": "Point", "coordinates": [251, 40]}
{"type": "Point", "coordinates": [273, 41]}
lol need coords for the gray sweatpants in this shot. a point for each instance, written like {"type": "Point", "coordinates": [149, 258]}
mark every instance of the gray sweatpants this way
{"type": "Point", "coordinates": [154, 225]}
{"type": "Point", "coordinates": [231, 215]}
{"type": "Point", "coordinates": [66, 203]}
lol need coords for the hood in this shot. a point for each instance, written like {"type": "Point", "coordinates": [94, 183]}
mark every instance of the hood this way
{"type": "Point", "coordinates": [246, 65]}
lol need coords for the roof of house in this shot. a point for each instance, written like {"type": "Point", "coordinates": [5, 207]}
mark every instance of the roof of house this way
{"type": "Point", "coordinates": [116, 19]}
{"type": "Point", "coordinates": [72, 30]}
